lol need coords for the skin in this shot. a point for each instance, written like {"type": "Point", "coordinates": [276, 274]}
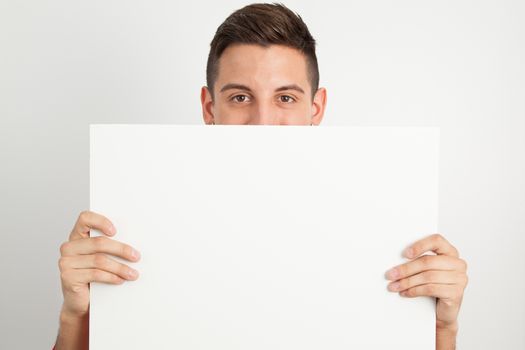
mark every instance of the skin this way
{"type": "Point", "coordinates": [255, 85]}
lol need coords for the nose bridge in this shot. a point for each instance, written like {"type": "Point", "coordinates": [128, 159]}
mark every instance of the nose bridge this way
{"type": "Point", "coordinates": [266, 113]}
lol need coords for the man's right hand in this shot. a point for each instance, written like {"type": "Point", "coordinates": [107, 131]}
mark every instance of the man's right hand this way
{"type": "Point", "coordinates": [86, 259]}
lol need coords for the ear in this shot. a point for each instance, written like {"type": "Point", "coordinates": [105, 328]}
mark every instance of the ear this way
{"type": "Point", "coordinates": [319, 105]}
{"type": "Point", "coordinates": [207, 105]}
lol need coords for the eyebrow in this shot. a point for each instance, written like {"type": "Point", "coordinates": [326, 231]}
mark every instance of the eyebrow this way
{"type": "Point", "coordinates": [232, 86]}
{"type": "Point", "coordinates": [290, 87]}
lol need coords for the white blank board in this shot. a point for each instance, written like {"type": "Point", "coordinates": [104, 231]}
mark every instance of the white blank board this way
{"type": "Point", "coordinates": [263, 237]}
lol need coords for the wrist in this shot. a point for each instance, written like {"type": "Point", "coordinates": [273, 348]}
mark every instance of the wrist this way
{"type": "Point", "coordinates": [71, 318]}
{"type": "Point", "coordinates": [450, 328]}
{"type": "Point", "coordinates": [446, 336]}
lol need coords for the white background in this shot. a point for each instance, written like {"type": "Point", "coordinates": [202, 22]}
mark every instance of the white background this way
{"type": "Point", "coordinates": [458, 65]}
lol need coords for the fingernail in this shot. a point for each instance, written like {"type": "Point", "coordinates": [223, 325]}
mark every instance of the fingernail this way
{"type": "Point", "coordinates": [135, 254]}
{"type": "Point", "coordinates": [392, 274]}
{"type": "Point", "coordinates": [408, 252]}
{"type": "Point", "coordinates": [393, 286]}
{"type": "Point", "coordinates": [133, 273]}
{"type": "Point", "coordinates": [112, 230]}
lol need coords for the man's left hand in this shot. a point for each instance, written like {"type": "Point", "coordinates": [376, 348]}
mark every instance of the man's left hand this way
{"type": "Point", "coordinates": [442, 276]}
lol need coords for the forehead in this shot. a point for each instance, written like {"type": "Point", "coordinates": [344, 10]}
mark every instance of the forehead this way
{"type": "Point", "coordinates": [259, 66]}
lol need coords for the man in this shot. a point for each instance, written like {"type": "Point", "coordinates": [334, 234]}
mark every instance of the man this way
{"type": "Point", "coordinates": [262, 69]}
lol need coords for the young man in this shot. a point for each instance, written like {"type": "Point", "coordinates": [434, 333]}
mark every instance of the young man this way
{"type": "Point", "coordinates": [262, 69]}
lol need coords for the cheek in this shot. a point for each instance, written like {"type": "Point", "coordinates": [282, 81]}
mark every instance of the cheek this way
{"type": "Point", "coordinates": [293, 114]}
{"type": "Point", "coordinates": [226, 114]}
{"type": "Point", "coordinates": [295, 119]}
{"type": "Point", "coordinates": [298, 115]}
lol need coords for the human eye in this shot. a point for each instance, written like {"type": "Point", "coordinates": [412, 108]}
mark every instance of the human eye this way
{"type": "Point", "coordinates": [239, 98]}
{"type": "Point", "coordinates": [286, 99]}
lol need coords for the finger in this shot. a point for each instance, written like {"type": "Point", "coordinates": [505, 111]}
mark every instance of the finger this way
{"type": "Point", "coordinates": [84, 276]}
{"type": "Point", "coordinates": [100, 244]}
{"type": "Point", "coordinates": [98, 261]}
{"type": "Point", "coordinates": [441, 291]}
{"type": "Point", "coordinates": [435, 243]}
{"type": "Point", "coordinates": [88, 220]}
{"type": "Point", "coordinates": [425, 263]}
{"type": "Point", "coordinates": [428, 277]}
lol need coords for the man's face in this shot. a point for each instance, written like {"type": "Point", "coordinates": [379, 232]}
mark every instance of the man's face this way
{"type": "Point", "coordinates": [262, 85]}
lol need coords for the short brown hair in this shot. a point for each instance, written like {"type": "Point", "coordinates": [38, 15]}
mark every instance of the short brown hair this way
{"type": "Point", "coordinates": [263, 24]}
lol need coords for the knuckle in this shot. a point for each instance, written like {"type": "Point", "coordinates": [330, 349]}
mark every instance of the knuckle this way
{"type": "Point", "coordinates": [97, 275]}
{"type": "Point", "coordinates": [404, 284]}
{"type": "Point", "coordinates": [455, 251]}
{"type": "Point", "coordinates": [437, 237]}
{"type": "Point", "coordinates": [126, 250]}
{"type": "Point", "coordinates": [100, 261]}
{"type": "Point", "coordinates": [430, 276]}
{"type": "Point", "coordinates": [417, 247]}
{"type": "Point", "coordinates": [99, 242]}
{"type": "Point", "coordinates": [65, 276]}
{"type": "Point", "coordinates": [463, 264]}
{"type": "Point", "coordinates": [64, 248]}
{"type": "Point", "coordinates": [403, 270]}
{"type": "Point", "coordinates": [429, 289]}
{"type": "Point", "coordinates": [123, 270]}
{"type": "Point", "coordinates": [76, 288]}
{"type": "Point", "coordinates": [464, 279]}
{"type": "Point", "coordinates": [62, 263]}
{"type": "Point", "coordinates": [84, 216]}
{"type": "Point", "coordinates": [116, 279]}
{"type": "Point", "coordinates": [426, 260]}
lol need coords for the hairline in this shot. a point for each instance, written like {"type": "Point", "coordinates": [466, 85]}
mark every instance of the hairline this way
{"type": "Point", "coordinates": [309, 64]}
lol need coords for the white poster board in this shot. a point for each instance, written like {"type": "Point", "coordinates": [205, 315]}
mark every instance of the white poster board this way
{"type": "Point", "coordinates": [263, 237]}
